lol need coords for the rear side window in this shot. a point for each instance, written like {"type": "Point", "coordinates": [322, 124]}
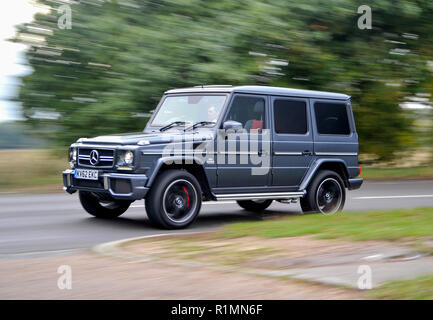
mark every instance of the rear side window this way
{"type": "Point", "coordinates": [331, 118]}
{"type": "Point", "coordinates": [290, 117]}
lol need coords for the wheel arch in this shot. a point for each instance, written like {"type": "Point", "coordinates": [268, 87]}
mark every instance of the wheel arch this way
{"type": "Point", "coordinates": [191, 164]}
{"type": "Point", "coordinates": [336, 165]}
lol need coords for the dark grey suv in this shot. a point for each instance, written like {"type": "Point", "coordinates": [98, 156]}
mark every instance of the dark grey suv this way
{"type": "Point", "coordinates": [252, 144]}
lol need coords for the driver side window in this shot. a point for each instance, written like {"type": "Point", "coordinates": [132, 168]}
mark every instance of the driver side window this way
{"type": "Point", "coordinates": [249, 111]}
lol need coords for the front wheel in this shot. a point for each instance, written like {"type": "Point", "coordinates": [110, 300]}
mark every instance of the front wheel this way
{"type": "Point", "coordinates": [174, 200]}
{"type": "Point", "coordinates": [254, 205]}
{"type": "Point", "coordinates": [325, 194]}
{"type": "Point", "coordinates": [99, 208]}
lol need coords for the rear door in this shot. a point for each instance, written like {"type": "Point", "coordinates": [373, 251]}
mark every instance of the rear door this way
{"type": "Point", "coordinates": [292, 141]}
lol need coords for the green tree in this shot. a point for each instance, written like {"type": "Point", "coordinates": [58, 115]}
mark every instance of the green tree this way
{"type": "Point", "coordinates": [120, 56]}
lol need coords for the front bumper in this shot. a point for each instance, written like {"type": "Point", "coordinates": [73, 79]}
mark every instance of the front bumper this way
{"type": "Point", "coordinates": [355, 183]}
{"type": "Point", "coordinates": [120, 186]}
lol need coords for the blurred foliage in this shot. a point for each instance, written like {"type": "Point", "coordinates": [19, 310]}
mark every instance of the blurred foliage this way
{"type": "Point", "coordinates": [16, 135]}
{"type": "Point", "coordinates": [120, 56]}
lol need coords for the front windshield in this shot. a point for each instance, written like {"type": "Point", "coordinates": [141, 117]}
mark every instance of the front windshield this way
{"type": "Point", "coordinates": [190, 108]}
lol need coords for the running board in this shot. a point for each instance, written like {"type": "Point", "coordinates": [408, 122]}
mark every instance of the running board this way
{"type": "Point", "coordinates": [260, 196]}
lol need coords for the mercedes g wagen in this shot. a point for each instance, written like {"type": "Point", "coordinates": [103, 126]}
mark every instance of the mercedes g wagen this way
{"type": "Point", "coordinates": [251, 144]}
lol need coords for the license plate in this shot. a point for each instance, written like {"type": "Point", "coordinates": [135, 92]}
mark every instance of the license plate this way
{"type": "Point", "coordinates": [86, 174]}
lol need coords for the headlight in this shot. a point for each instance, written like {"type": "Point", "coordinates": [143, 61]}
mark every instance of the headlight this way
{"type": "Point", "coordinates": [129, 157]}
{"type": "Point", "coordinates": [125, 158]}
{"type": "Point", "coordinates": [73, 154]}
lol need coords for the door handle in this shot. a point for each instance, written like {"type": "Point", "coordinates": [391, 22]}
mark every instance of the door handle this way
{"type": "Point", "coordinates": [307, 153]}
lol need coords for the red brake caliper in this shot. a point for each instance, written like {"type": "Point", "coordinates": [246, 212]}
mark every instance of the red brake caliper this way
{"type": "Point", "coordinates": [187, 196]}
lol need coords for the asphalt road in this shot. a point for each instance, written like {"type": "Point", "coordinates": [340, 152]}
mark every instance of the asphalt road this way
{"type": "Point", "coordinates": [44, 224]}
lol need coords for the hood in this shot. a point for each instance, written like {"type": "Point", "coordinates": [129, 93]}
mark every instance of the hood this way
{"type": "Point", "coordinates": [152, 138]}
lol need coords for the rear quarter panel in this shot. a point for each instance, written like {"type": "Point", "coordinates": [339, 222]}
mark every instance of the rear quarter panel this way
{"type": "Point", "coordinates": [330, 146]}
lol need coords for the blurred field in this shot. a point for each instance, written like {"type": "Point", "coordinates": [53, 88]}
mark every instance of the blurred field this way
{"type": "Point", "coordinates": [31, 171]}
{"type": "Point", "coordinates": [40, 171]}
{"type": "Point", "coordinates": [422, 172]}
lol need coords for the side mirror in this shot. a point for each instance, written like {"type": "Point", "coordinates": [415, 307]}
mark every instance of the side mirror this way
{"type": "Point", "coordinates": [233, 125]}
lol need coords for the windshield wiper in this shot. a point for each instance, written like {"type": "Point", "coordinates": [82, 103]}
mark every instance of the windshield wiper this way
{"type": "Point", "coordinates": [199, 124]}
{"type": "Point", "coordinates": [170, 125]}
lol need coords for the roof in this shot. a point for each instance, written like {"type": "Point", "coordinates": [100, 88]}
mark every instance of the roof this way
{"type": "Point", "coordinates": [279, 91]}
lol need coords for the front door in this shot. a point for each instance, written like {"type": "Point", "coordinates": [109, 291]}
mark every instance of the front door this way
{"type": "Point", "coordinates": [245, 167]}
{"type": "Point", "coordinates": [292, 141]}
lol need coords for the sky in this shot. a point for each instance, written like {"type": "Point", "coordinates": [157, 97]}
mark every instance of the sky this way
{"type": "Point", "coordinates": [12, 61]}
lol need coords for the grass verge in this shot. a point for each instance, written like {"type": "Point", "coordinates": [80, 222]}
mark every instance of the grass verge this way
{"type": "Point", "coordinates": [370, 225]}
{"type": "Point", "coordinates": [301, 241]}
{"type": "Point", "coordinates": [413, 225]}
{"type": "Point", "coordinates": [420, 288]}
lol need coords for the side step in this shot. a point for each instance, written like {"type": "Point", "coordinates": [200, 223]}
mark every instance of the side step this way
{"type": "Point", "coordinates": [260, 196]}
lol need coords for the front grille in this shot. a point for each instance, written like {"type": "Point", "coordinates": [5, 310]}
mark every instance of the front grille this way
{"type": "Point", "coordinates": [87, 156]}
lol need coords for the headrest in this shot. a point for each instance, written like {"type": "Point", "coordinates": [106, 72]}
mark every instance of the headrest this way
{"type": "Point", "coordinates": [259, 106]}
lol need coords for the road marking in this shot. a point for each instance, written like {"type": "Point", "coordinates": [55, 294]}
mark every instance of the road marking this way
{"type": "Point", "coordinates": [373, 257]}
{"type": "Point", "coordinates": [219, 202]}
{"type": "Point", "coordinates": [204, 203]}
{"type": "Point", "coordinates": [354, 198]}
{"type": "Point", "coordinates": [400, 182]}
{"type": "Point", "coordinates": [395, 197]}
{"type": "Point", "coordinates": [137, 205]}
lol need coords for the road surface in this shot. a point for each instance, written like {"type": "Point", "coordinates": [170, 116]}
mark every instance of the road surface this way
{"type": "Point", "coordinates": [45, 224]}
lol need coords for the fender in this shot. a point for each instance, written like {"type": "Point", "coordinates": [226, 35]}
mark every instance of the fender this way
{"type": "Point", "coordinates": [315, 166]}
{"type": "Point", "coordinates": [153, 171]}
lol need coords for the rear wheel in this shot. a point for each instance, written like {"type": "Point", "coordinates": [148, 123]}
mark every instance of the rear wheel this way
{"type": "Point", "coordinates": [174, 200]}
{"type": "Point", "coordinates": [254, 205]}
{"type": "Point", "coordinates": [102, 208]}
{"type": "Point", "coordinates": [325, 194]}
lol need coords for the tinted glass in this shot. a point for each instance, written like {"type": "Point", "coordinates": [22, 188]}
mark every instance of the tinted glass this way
{"type": "Point", "coordinates": [290, 116]}
{"type": "Point", "coordinates": [331, 118]}
{"type": "Point", "coordinates": [250, 111]}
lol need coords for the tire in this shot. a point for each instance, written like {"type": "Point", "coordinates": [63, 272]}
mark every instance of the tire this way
{"type": "Point", "coordinates": [325, 194]}
{"type": "Point", "coordinates": [102, 208]}
{"type": "Point", "coordinates": [174, 200]}
{"type": "Point", "coordinates": [254, 205]}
